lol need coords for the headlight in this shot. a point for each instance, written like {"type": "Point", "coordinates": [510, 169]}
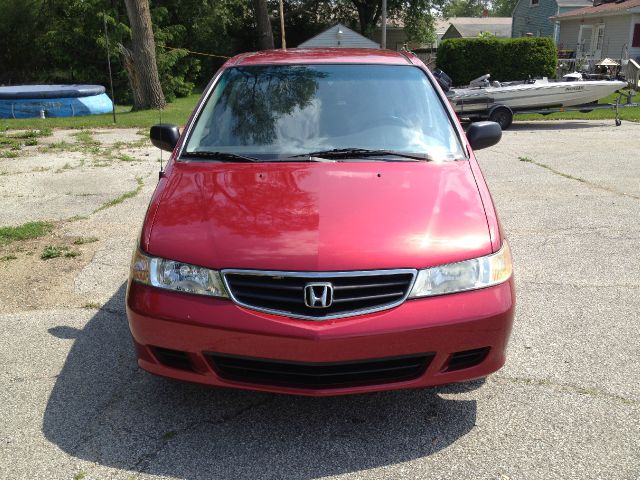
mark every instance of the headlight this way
{"type": "Point", "coordinates": [172, 275]}
{"type": "Point", "coordinates": [467, 275]}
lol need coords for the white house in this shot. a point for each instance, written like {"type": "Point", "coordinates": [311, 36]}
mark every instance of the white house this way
{"type": "Point", "coordinates": [610, 29]}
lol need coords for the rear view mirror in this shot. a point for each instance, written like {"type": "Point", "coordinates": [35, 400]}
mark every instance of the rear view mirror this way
{"type": "Point", "coordinates": [165, 136]}
{"type": "Point", "coordinates": [483, 134]}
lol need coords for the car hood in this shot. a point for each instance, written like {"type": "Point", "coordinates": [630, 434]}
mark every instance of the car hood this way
{"type": "Point", "coordinates": [320, 216]}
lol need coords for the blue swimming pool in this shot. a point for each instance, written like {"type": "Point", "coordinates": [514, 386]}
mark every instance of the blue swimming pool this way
{"type": "Point", "coordinates": [28, 101]}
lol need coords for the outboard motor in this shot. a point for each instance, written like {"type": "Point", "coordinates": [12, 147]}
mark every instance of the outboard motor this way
{"type": "Point", "coordinates": [443, 79]}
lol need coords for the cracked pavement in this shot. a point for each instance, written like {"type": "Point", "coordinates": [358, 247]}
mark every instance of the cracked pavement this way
{"type": "Point", "coordinates": [566, 405]}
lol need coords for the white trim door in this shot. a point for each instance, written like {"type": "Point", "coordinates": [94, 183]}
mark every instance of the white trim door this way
{"type": "Point", "coordinates": [584, 41]}
{"type": "Point", "coordinates": [598, 41]}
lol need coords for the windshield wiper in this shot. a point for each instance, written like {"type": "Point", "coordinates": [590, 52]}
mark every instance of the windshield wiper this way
{"type": "Point", "coordinates": [233, 157]}
{"type": "Point", "coordinates": [361, 152]}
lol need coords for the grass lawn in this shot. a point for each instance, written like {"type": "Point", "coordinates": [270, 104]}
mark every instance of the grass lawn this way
{"type": "Point", "coordinates": [632, 114]}
{"type": "Point", "coordinates": [176, 112]}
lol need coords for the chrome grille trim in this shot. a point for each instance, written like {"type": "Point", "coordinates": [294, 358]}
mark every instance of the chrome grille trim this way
{"type": "Point", "coordinates": [320, 275]}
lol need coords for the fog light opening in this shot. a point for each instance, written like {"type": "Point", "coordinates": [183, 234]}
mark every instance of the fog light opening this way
{"type": "Point", "coordinates": [466, 359]}
{"type": "Point", "coordinates": [173, 358]}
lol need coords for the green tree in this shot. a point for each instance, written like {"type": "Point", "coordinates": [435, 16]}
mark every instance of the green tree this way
{"type": "Point", "coordinates": [18, 58]}
{"type": "Point", "coordinates": [177, 69]}
{"type": "Point", "coordinates": [503, 8]}
{"type": "Point", "coordinates": [417, 16]}
{"type": "Point", "coordinates": [218, 27]}
{"type": "Point", "coordinates": [419, 23]}
{"type": "Point", "coordinates": [63, 41]}
{"type": "Point", "coordinates": [463, 8]}
{"type": "Point", "coordinates": [59, 42]}
{"type": "Point", "coordinates": [306, 18]}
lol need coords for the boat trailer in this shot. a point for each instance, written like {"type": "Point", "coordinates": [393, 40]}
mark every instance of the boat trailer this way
{"type": "Point", "coordinates": [503, 115]}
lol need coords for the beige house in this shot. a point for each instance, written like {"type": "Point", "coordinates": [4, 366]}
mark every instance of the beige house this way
{"type": "Point", "coordinates": [397, 38]}
{"type": "Point", "coordinates": [610, 29]}
{"type": "Point", "coordinates": [470, 27]}
{"type": "Point", "coordinates": [454, 27]}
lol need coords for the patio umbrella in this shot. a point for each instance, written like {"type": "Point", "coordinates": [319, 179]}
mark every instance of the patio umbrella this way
{"type": "Point", "coordinates": [607, 62]}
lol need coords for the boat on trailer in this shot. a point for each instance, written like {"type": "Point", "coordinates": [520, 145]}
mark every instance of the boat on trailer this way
{"type": "Point", "coordinates": [535, 94]}
{"type": "Point", "coordinates": [498, 101]}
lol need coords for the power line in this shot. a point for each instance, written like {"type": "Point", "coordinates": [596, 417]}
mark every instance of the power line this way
{"type": "Point", "coordinates": [195, 53]}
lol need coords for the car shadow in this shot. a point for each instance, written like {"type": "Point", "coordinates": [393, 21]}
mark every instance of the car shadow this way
{"type": "Point", "coordinates": [104, 409]}
{"type": "Point", "coordinates": [542, 125]}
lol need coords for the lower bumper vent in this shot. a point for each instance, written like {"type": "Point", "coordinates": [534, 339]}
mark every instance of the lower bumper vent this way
{"type": "Point", "coordinates": [467, 358]}
{"type": "Point", "coordinates": [173, 358]}
{"type": "Point", "coordinates": [320, 375]}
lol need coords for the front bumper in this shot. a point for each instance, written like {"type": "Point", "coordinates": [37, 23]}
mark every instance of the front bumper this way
{"type": "Point", "coordinates": [198, 327]}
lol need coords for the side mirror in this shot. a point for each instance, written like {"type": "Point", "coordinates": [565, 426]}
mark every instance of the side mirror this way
{"type": "Point", "coordinates": [483, 134]}
{"type": "Point", "coordinates": [165, 136]}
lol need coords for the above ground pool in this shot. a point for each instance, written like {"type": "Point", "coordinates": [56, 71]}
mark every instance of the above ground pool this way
{"type": "Point", "coordinates": [27, 101]}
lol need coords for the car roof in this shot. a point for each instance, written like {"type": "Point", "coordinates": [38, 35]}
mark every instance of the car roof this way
{"type": "Point", "coordinates": [321, 55]}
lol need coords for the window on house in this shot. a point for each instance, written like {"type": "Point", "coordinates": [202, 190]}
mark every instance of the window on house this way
{"type": "Point", "coordinates": [534, 3]}
{"type": "Point", "coordinates": [636, 36]}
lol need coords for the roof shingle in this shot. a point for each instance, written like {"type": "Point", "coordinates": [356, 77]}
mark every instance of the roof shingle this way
{"type": "Point", "coordinates": [574, 3]}
{"type": "Point", "coordinates": [471, 26]}
{"type": "Point", "coordinates": [600, 9]}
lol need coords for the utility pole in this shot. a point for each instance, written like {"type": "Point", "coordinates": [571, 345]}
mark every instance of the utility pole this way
{"type": "Point", "coordinates": [284, 41]}
{"type": "Point", "coordinates": [383, 43]}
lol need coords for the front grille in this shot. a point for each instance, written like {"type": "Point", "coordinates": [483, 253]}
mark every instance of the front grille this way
{"type": "Point", "coordinates": [319, 375]}
{"type": "Point", "coordinates": [353, 292]}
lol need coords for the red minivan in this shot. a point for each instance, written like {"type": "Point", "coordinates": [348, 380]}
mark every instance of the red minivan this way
{"type": "Point", "coordinates": [322, 228]}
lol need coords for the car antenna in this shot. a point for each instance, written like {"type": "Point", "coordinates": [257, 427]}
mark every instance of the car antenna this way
{"type": "Point", "coordinates": [161, 172]}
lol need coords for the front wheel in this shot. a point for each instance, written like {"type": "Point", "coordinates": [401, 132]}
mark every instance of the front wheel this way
{"type": "Point", "coordinates": [503, 116]}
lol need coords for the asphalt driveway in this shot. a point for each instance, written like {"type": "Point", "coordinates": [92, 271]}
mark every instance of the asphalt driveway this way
{"type": "Point", "coordinates": [566, 405]}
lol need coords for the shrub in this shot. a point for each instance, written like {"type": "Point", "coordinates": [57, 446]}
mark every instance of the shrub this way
{"type": "Point", "coordinates": [464, 59]}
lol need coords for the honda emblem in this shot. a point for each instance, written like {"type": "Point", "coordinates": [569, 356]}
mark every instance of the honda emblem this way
{"type": "Point", "coordinates": [318, 295]}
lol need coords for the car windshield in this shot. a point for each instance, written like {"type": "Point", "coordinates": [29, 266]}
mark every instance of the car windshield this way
{"type": "Point", "coordinates": [278, 111]}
